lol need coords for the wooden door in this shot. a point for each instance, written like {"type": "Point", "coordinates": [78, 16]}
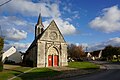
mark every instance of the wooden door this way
{"type": "Point", "coordinates": [56, 58]}
{"type": "Point", "coordinates": [50, 60]}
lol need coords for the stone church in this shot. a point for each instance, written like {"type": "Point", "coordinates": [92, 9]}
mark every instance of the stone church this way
{"type": "Point", "coordinates": [49, 48]}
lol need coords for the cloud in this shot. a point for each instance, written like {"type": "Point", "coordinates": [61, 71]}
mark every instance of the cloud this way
{"type": "Point", "coordinates": [76, 16]}
{"type": "Point", "coordinates": [114, 41]}
{"type": "Point", "coordinates": [65, 27]}
{"type": "Point", "coordinates": [14, 28]}
{"type": "Point", "coordinates": [68, 19]}
{"type": "Point", "coordinates": [30, 8]}
{"type": "Point", "coordinates": [8, 22]}
{"type": "Point", "coordinates": [97, 46]}
{"type": "Point", "coordinates": [109, 21]}
{"type": "Point", "coordinates": [19, 46]}
{"type": "Point", "coordinates": [66, 8]}
{"type": "Point", "coordinates": [55, 10]}
{"type": "Point", "coordinates": [15, 34]}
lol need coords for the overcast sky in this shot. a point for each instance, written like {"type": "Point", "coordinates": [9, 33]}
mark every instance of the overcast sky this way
{"type": "Point", "coordinates": [90, 23]}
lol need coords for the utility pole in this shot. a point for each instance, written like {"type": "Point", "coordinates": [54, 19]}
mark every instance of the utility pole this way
{"type": "Point", "coordinates": [0, 31]}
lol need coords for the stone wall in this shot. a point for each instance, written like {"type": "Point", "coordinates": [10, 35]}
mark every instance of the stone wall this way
{"type": "Point", "coordinates": [64, 54]}
{"type": "Point", "coordinates": [41, 54]}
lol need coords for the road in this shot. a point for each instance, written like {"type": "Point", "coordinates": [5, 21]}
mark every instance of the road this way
{"type": "Point", "coordinates": [112, 72]}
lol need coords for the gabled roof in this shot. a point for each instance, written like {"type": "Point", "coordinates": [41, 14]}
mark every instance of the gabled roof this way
{"type": "Point", "coordinates": [52, 22]}
{"type": "Point", "coordinates": [58, 29]}
{"type": "Point", "coordinates": [40, 35]}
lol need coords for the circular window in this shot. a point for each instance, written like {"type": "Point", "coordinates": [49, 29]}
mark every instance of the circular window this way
{"type": "Point", "coordinates": [53, 35]}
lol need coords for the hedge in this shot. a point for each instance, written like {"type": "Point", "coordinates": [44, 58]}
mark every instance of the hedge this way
{"type": "Point", "coordinates": [1, 66]}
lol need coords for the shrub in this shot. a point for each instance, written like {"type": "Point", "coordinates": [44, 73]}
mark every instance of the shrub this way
{"type": "Point", "coordinates": [1, 48]}
{"type": "Point", "coordinates": [1, 66]}
{"type": "Point", "coordinates": [9, 62]}
{"type": "Point", "coordinates": [1, 43]}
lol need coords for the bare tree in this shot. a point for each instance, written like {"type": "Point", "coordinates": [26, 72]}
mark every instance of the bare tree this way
{"type": "Point", "coordinates": [75, 52]}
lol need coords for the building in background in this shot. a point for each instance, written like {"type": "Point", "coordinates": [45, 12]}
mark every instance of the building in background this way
{"type": "Point", "coordinates": [11, 55]}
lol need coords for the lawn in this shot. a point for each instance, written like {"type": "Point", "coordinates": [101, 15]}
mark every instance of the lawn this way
{"type": "Point", "coordinates": [83, 65]}
{"type": "Point", "coordinates": [8, 73]}
{"type": "Point", "coordinates": [38, 73]}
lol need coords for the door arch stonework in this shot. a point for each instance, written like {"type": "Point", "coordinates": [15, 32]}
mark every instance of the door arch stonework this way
{"type": "Point", "coordinates": [52, 56]}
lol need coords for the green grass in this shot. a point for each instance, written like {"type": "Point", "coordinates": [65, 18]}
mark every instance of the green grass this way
{"type": "Point", "coordinates": [8, 73]}
{"type": "Point", "coordinates": [1, 66]}
{"type": "Point", "coordinates": [83, 65]}
{"type": "Point", "coordinates": [115, 60]}
{"type": "Point", "coordinates": [36, 73]}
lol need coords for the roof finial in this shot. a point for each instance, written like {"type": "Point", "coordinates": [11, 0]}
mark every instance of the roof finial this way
{"type": "Point", "coordinates": [39, 19]}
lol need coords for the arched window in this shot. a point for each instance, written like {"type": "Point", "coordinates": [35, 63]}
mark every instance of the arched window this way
{"type": "Point", "coordinates": [42, 29]}
{"type": "Point", "coordinates": [38, 30]}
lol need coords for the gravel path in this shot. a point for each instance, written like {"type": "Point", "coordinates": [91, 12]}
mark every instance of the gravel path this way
{"type": "Point", "coordinates": [7, 66]}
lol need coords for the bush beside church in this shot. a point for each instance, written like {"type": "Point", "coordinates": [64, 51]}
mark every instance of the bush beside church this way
{"type": "Point", "coordinates": [1, 48]}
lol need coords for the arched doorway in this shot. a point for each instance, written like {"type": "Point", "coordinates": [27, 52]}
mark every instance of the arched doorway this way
{"type": "Point", "coordinates": [53, 57]}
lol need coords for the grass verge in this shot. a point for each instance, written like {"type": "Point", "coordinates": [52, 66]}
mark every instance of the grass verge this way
{"type": "Point", "coordinates": [35, 74]}
{"type": "Point", "coordinates": [83, 65]}
{"type": "Point", "coordinates": [8, 73]}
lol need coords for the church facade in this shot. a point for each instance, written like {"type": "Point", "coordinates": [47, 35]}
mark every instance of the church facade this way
{"type": "Point", "coordinates": [49, 48]}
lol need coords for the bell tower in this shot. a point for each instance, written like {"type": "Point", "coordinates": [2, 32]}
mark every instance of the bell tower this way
{"type": "Point", "coordinates": [39, 28]}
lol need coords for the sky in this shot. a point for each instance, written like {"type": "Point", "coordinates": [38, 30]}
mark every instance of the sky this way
{"type": "Point", "coordinates": [90, 23]}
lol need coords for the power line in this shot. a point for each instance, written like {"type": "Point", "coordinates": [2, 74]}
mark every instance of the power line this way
{"type": "Point", "coordinates": [5, 3]}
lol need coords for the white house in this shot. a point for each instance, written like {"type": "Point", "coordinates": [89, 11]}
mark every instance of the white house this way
{"type": "Point", "coordinates": [12, 55]}
{"type": "Point", "coordinates": [94, 55]}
